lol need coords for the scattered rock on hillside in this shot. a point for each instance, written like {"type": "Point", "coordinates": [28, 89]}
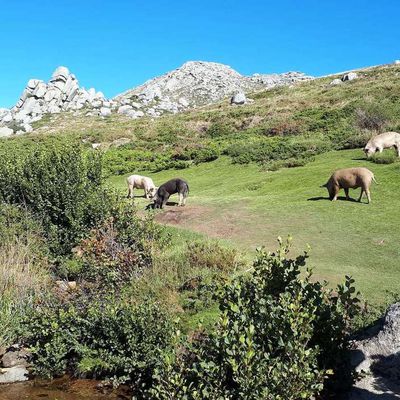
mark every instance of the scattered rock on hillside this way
{"type": "Point", "coordinates": [14, 357]}
{"type": "Point", "coordinates": [349, 77]}
{"type": "Point", "coordinates": [13, 364]}
{"type": "Point", "coordinates": [239, 99]}
{"type": "Point", "coordinates": [379, 357]}
{"type": "Point", "coordinates": [5, 131]}
{"type": "Point", "coordinates": [105, 111]}
{"type": "Point", "coordinates": [336, 82]}
{"type": "Point", "coordinates": [13, 374]}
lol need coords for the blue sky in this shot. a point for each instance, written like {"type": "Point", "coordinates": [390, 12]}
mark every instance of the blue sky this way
{"type": "Point", "coordinates": [115, 45]}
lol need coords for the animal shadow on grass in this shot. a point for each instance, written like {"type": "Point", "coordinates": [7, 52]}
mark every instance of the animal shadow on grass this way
{"type": "Point", "coordinates": [169, 203]}
{"type": "Point", "coordinates": [343, 198]}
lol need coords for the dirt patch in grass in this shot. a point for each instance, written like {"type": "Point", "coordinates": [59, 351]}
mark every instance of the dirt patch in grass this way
{"type": "Point", "coordinates": [182, 216]}
{"type": "Point", "coordinates": [209, 220]}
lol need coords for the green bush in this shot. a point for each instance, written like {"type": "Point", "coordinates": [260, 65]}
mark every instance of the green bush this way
{"type": "Point", "coordinates": [212, 256]}
{"type": "Point", "coordinates": [289, 163]}
{"type": "Point", "coordinates": [372, 117]}
{"type": "Point", "coordinates": [386, 157]}
{"type": "Point", "coordinates": [24, 272]}
{"type": "Point", "coordinates": [279, 337]}
{"type": "Point", "coordinates": [98, 337]}
{"type": "Point", "coordinates": [118, 250]}
{"type": "Point", "coordinates": [209, 265]}
{"type": "Point", "coordinates": [276, 148]}
{"type": "Point", "coordinates": [219, 129]}
{"type": "Point", "coordinates": [61, 184]}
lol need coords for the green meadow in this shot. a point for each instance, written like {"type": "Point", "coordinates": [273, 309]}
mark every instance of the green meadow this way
{"type": "Point", "coordinates": [247, 208]}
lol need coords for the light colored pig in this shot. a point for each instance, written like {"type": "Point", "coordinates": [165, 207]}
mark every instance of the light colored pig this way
{"type": "Point", "coordinates": [350, 178]}
{"type": "Point", "coordinates": [141, 182]}
{"type": "Point", "coordinates": [383, 141]}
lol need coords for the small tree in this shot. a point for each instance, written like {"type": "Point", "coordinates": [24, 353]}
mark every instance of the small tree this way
{"type": "Point", "coordinates": [279, 337]}
{"type": "Point", "coordinates": [61, 184]}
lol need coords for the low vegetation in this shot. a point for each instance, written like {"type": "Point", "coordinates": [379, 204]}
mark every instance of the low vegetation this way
{"type": "Point", "coordinates": [119, 320]}
{"type": "Point", "coordinates": [96, 287]}
{"type": "Point", "coordinates": [286, 125]}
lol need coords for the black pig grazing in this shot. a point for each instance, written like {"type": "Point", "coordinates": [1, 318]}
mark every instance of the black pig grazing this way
{"type": "Point", "coordinates": [169, 188]}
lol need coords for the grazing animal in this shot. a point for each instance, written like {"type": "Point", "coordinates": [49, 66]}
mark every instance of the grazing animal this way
{"type": "Point", "coordinates": [350, 178]}
{"type": "Point", "coordinates": [169, 188]}
{"type": "Point", "coordinates": [141, 182]}
{"type": "Point", "coordinates": [383, 141]}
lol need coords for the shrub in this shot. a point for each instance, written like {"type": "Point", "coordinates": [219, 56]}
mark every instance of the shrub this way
{"type": "Point", "coordinates": [60, 184]}
{"type": "Point", "coordinates": [289, 163]}
{"type": "Point", "coordinates": [279, 337]}
{"type": "Point", "coordinates": [212, 256]}
{"type": "Point", "coordinates": [208, 266]}
{"type": "Point", "coordinates": [24, 273]}
{"type": "Point", "coordinates": [386, 157]}
{"type": "Point", "coordinates": [284, 128]}
{"type": "Point", "coordinates": [350, 139]}
{"type": "Point", "coordinates": [219, 129]}
{"type": "Point", "coordinates": [371, 117]}
{"type": "Point", "coordinates": [119, 250]}
{"type": "Point", "coordinates": [98, 337]}
{"type": "Point", "coordinates": [275, 148]}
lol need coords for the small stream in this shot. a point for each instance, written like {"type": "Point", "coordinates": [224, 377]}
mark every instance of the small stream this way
{"type": "Point", "coordinates": [63, 388]}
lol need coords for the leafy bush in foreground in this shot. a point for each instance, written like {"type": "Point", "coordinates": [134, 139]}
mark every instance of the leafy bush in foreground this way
{"type": "Point", "coordinates": [278, 337]}
{"type": "Point", "coordinates": [119, 250]}
{"type": "Point", "coordinates": [24, 273]}
{"type": "Point", "coordinates": [103, 338]}
{"type": "Point", "coordinates": [61, 184]}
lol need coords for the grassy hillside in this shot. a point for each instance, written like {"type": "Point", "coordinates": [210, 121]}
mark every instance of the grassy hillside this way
{"type": "Point", "coordinates": [287, 123]}
{"type": "Point", "coordinates": [249, 207]}
{"type": "Point", "coordinates": [108, 287]}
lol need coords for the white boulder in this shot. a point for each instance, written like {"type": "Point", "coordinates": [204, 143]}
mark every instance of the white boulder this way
{"type": "Point", "coordinates": [135, 114]}
{"type": "Point", "coordinates": [349, 77]}
{"type": "Point", "coordinates": [105, 112]}
{"type": "Point", "coordinates": [336, 81]}
{"type": "Point", "coordinates": [61, 73]}
{"type": "Point", "coordinates": [125, 109]}
{"type": "Point", "coordinates": [239, 98]}
{"type": "Point", "coordinates": [13, 374]}
{"type": "Point", "coordinates": [5, 131]}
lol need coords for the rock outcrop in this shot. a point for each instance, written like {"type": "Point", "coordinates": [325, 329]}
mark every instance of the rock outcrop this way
{"type": "Point", "coordinates": [239, 98]}
{"type": "Point", "coordinates": [379, 358]}
{"type": "Point", "coordinates": [194, 84]}
{"type": "Point", "coordinates": [198, 83]}
{"type": "Point", "coordinates": [61, 93]}
{"type": "Point", "coordinates": [13, 365]}
{"type": "Point", "coordinates": [349, 77]}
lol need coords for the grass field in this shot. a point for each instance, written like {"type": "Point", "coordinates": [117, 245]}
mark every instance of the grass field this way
{"type": "Point", "coordinates": [248, 208]}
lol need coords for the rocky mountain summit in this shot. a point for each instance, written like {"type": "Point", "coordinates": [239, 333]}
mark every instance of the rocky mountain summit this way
{"type": "Point", "coordinates": [198, 83]}
{"type": "Point", "coordinates": [61, 93]}
{"type": "Point", "coordinates": [194, 84]}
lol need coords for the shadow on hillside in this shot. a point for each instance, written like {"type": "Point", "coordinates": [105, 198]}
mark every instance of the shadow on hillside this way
{"type": "Point", "coordinates": [342, 198]}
